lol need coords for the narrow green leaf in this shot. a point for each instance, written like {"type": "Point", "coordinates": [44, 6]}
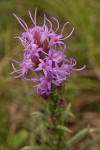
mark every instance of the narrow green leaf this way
{"type": "Point", "coordinates": [94, 129]}
{"type": "Point", "coordinates": [68, 113]}
{"type": "Point", "coordinates": [35, 148]}
{"type": "Point", "coordinates": [26, 148]}
{"type": "Point", "coordinates": [61, 127]}
{"type": "Point", "coordinates": [17, 139]}
{"type": "Point", "coordinates": [38, 114]}
{"type": "Point", "coordinates": [91, 143]}
{"type": "Point", "coordinates": [68, 107]}
{"type": "Point", "coordinates": [78, 137]}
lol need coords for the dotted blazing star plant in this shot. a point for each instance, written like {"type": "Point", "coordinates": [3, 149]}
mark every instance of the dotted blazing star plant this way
{"type": "Point", "coordinates": [44, 57]}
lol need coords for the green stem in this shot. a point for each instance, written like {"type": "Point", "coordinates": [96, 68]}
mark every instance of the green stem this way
{"type": "Point", "coordinates": [56, 134]}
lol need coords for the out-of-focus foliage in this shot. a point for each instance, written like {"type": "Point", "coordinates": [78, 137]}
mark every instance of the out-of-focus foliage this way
{"type": "Point", "coordinates": [18, 98]}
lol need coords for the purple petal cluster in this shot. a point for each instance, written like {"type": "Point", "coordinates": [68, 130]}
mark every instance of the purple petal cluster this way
{"type": "Point", "coordinates": [44, 56]}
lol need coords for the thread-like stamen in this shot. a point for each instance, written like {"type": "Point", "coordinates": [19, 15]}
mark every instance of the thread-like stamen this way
{"type": "Point", "coordinates": [13, 67]}
{"type": "Point", "coordinates": [35, 85]}
{"type": "Point", "coordinates": [14, 60]}
{"type": "Point", "coordinates": [44, 20]}
{"type": "Point", "coordinates": [64, 27]}
{"type": "Point", "coordinates": [23, 24]}
{"type": "Point", "coordinates": [18, 76]}
{"type": "Point", "coordinates": [80, 68]}
{"type": "Point", "coordinates": [31, 17]}
{"type": "Point", "coordinates": [49, 23]}
{"type": "Point", "coordinates": [68, 35]}
{"type": "Point", "coordinates": [35, 16]}
{"type": "Point", "coordinates": [57, 24]}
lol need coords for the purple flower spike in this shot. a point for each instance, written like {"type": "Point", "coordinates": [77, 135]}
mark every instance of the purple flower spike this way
{"type": "Point", "coordinates": [44, 56]}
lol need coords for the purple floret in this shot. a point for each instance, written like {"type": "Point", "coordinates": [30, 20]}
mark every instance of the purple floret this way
{"type": "Point", "coordinates": [44, 56]}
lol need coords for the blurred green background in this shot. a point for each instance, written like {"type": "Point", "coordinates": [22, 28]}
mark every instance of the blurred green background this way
{"type": "Point", "coordinates": [17, 96]}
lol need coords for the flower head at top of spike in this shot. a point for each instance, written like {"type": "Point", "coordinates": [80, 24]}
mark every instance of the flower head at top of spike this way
{"type": "Point", "coordinates": [44, 56]}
